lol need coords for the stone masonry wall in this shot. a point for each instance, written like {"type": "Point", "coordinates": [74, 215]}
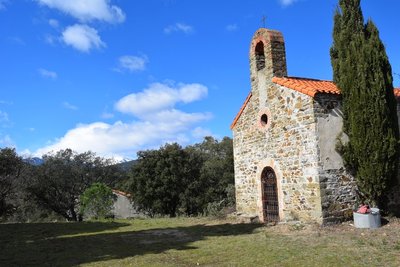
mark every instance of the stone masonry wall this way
{"type": "Point", "coordinates": [393, 197]}
{"type": "Point", "coordinates": [246, 140]}
{"type": "Point", "coordinates": [289, 146]}
{"type": "Point", "coordinates": [337, 186]}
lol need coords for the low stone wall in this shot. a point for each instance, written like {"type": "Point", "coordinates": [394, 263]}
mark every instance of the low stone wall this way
{"type": "Point", "coordinates": [393, 198]}
{"type": "Point", "coordinates": [337, 195]}
{"type": "Point", "coordinates": [123, 208]}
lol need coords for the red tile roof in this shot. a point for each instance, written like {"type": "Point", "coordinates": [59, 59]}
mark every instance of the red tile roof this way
{"type": "Point", "coordinates": [397, 93]}
{"type": "Point", "coordinates": [306, 86]}
{"type": "Point", "coordinates": [118, 192]}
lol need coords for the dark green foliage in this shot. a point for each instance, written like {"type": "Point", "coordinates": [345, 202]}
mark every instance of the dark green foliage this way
{"type": "Point", "coordinates": [126, 165]}
{"type": "Point", "coordinates": [11, 166]}
{"type": "Point", "coordinates": [16, 203]}
{"type": "Point", "coordinates": [159, 178]}
{"type": "Point", "coordinates": [58, 183]}
{"type": "Point", "coordinates": [362, 71]}
{"type": "Point", "coordinates": [173, 180]}
{"type": "Point", "coordinates": [217, 171]}
{"type": "Point", "coordinates": [97, 201]}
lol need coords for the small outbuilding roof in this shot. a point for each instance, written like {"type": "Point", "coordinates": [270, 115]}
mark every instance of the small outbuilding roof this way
{"type": "Point", "coordinates": [118, 192]}
{"type": "Point", "coordinates": [306, 86]}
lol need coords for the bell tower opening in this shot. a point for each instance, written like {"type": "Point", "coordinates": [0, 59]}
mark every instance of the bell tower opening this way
{"type": "Point", "coordinates": [260, 56]}
{"type": "Point", "coordinates": [267, 55]}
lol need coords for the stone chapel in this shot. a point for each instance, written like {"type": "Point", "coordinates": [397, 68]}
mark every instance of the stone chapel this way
{"type": "Point", "coordinates": [284, 138]}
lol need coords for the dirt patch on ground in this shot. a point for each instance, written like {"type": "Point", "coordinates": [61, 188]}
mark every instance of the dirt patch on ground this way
{"type": "Point", "coordinates": [390, 230]}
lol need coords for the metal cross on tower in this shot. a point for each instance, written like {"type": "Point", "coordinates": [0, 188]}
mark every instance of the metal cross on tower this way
{"type": "Point", "coordinates": [263, 21]}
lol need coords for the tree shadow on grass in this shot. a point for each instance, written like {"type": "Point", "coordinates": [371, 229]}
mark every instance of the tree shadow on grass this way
{"type": "Point", "coordinates": [58, 249]}
{"type": "Point", "coordinates": [28, 231]}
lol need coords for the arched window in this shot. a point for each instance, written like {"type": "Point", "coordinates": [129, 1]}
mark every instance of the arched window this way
{"type": "Point", "coordinates": [269, 195]}
{"type": "Point", "coordinates": [260, 57]}
{"type": "Point", "coordinates": [264, 120]}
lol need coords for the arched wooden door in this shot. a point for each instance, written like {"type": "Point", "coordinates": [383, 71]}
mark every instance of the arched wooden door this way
{"type": "Point", "coordinates": [269, 195]}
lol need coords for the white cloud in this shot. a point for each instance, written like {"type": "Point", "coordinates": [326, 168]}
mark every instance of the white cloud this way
{"type": "Point", "coordinates": [107, 115]}
{"type": "Point", "coordinates": [3, 102]}
{"type": "Point", "coordinates": [176, 118]}
{"type": "Point", "coordinates": [179, 27]}
{"type": "Point", "coordinates": [121, 140]}
{"type": "Point", "coordinates": [6, 141]}
{"type": "Point", "coordinates": [50, 39]}
{"type": "Point", "coordinates": [54, 23]}
{"type": "Point", "coordinates": [88, 10]}
{"type": "Point", "coordinates": [5, 121]}
{"type": "Point", "coordinates": [68, 105]}
{"type": "Point", "coordinates": [200, 133]}
{"type": "Point", "coordinates": [159, 97]}
{"type": "Point", "coordinates": [231, 27]}
{"type": "Point", "coordinates": [3, 4]}
{"type": "Point", "coordinates": [158, 122]}
{"type": "Point", "coordinates": [287, 2]}
{"type": "Point", "coordinates": [26, 153]}
{"type": "Point", "coordinates": [82, 38]}
{"type": "Point", "coordinates": [48, 73]}
{"type": "Point", "coordinates": [3, 117]}
{"type": "Point", "coordinates": [133, 63]}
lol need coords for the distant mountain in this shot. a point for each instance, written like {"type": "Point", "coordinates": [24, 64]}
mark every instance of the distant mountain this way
{"type": "Point", "coordinates": [126, 165]}
{"type": "Point", "coordinates": [34, 161]}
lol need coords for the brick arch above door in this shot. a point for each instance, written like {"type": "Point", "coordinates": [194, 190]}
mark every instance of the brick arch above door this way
{"type": "Point", "coordinates": [271, 163]}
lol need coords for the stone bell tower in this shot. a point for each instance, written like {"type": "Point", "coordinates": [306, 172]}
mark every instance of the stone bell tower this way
{"type": "Point", "coordinates": [267, 60]}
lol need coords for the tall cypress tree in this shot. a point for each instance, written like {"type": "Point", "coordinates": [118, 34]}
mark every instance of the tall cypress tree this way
{"type": "Point", "coordinates": [362, 71]}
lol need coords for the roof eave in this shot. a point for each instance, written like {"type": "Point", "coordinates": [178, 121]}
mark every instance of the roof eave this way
{"type": "Point", "coordinates": [241, 111]}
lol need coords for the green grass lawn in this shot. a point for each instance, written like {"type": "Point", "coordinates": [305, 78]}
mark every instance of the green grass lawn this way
{"type": "Point", "coordinates": [196, 241]}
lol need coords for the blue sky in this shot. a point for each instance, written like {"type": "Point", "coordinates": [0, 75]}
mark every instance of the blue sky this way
{"type": "Point", "coordinates": [118, 76]}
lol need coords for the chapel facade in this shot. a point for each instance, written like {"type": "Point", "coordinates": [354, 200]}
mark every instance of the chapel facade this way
{"type": "Point", "coordinates": [284, 138]}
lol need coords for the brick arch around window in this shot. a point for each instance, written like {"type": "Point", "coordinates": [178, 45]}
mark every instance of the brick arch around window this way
{"type": "Point", "coordinates": [264, 119]}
